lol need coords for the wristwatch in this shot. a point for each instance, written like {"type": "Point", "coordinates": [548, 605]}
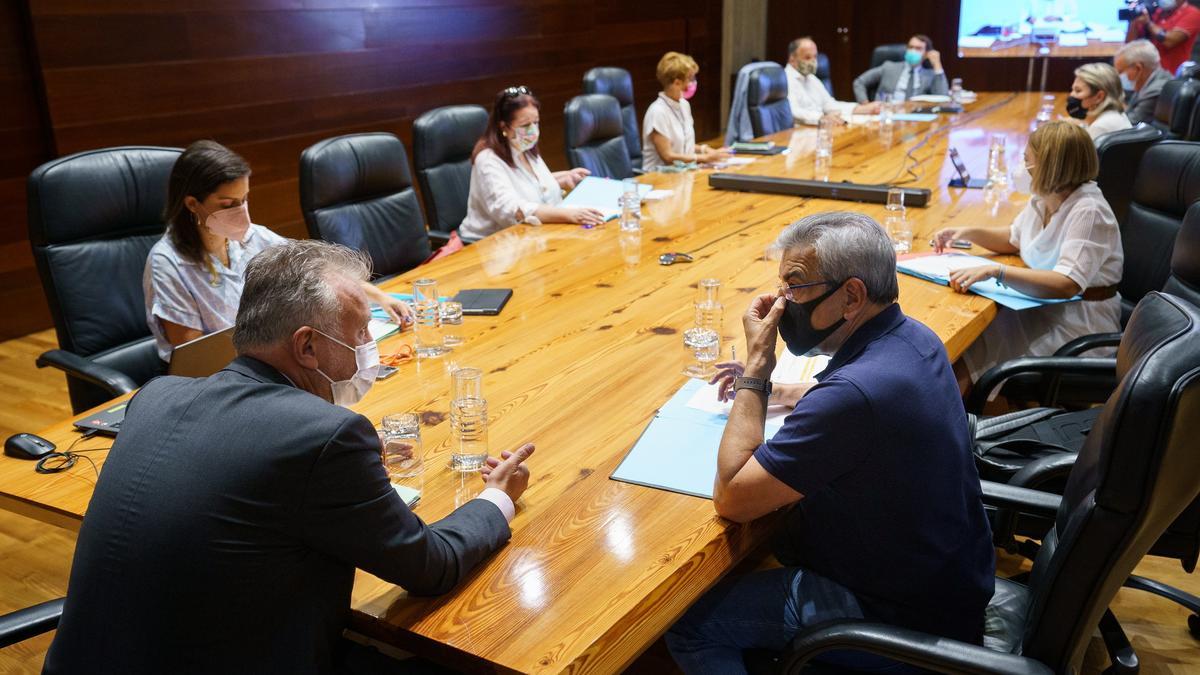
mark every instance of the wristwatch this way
{"type": "Point", "coordinates": [754, 383]}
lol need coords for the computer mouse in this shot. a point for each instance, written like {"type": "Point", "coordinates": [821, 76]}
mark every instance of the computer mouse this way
{"type": "Point", "coordinates": [27, 446]}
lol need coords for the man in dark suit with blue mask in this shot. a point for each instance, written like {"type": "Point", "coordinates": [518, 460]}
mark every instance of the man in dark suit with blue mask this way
{"type": "Point", "coordinates": [232, 510]}
{"type": "Point", "coordinates": [886, 519]}
{"type": "Point", "coordinates": [904, 79]}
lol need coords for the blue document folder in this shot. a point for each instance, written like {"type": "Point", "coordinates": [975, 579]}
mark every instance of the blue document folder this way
{"type": "Point", "coordinates": [603, 194]}
{"type": "Point", "coordinates": [914, 117]}
{"type": "Point", "coordinates": [678, 450]}
{"type": "Point", "coordinates": [937, 267]}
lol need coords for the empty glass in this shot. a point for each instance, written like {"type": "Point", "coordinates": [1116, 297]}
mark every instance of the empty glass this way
{"type": "Point", "coordinates": [708, 304]}
{"type": "Point", "coordinates": [452, 318]}
{"type": "Point", "coordinates": [631, 206]}
{"type": "Point", "coordinates": [403, 454]}
{"type": "Point", "coordinates": [886, 111]}
{"type": "Point", "coordinates": [468, 420]}
{"type": "Point", "coordinates": [703, 346]}
{"type": "Point", "coordinates": [821, 166]}
{"type": "Point", "coordinates": [825, 137]}
{"type": "Point", "coordinates": [997, 164]}
{"type": "Point", "coordinates": [896, 223]}
{"type": "Point", "coordinates": [956, 91]}
{"type": "Point", "coordinates": [428, 324]}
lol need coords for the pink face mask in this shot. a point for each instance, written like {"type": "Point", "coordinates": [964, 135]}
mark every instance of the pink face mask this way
{"type": "Point", "coordinates": [231, 223]}
{"type": "Point", "coordinates": [690, 90]}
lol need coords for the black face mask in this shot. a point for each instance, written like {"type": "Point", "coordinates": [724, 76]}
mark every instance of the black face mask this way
{"type": "Point", "coordinates": [796, 328]}
{"type": "Point", "coordinates": [1075, 108]}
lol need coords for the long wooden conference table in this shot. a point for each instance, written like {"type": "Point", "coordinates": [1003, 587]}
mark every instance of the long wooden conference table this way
{"type": "Point", "coordinates": [578, 362]}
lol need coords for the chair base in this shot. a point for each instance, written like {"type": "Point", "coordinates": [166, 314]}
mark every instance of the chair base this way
{"type": "Point", "coordinates": [1189, 601]}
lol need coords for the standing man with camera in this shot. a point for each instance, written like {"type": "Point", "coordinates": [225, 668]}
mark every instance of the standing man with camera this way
{"type": "Point", "coordinates": [1172, 25]}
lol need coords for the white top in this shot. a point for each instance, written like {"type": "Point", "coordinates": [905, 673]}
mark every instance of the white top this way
{"type": "Point", "coordinates": [810, 100]}
{"type": "Point", "coordinates": [503, 195]}
{"type": "Point", "coordinates": [672, 119]}
{"type": "Point", "coordinates": [1109, 121]}
{"type": "Point", "coordinates": [183, 292]}
{"type": "Point", "coordinates": [1082, 242]}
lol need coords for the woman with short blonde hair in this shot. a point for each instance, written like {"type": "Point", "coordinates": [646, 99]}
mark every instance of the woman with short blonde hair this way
{"type": "Point", "coordinates": [668, 131]}
{"type": "Point", "coordinates": [1067, 238]}
{"type": "Point", "coordinates": [1098, 99]}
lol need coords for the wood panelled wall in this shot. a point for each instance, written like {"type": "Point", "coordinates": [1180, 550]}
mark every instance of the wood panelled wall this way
{"type": "Point", "coordinates": [271, 77]}
{"type": "Point", "coordinates": [875, 22]}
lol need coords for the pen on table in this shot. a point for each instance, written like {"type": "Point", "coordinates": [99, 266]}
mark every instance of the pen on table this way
{"type": "Point", "coordinates": [733, 352]}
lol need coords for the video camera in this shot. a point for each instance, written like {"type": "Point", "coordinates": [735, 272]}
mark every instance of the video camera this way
{"type": "Point", "coordinates": [1135, 9]}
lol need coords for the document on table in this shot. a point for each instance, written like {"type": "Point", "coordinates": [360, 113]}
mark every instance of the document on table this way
{"type": "Point", "coordinates": [381, 324]}
{"type": "Point", "coordinates": [1072, 40]}
{"type": "Point", "coordinates": [678, 450]}
{"type": "Point", "coordinates": [937, 267]}
{"type": "Point", "coordinates": [602, 194]}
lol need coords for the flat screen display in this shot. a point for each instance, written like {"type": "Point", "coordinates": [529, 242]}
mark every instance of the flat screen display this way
{"type": "Point", "coordinates": [1025, 28]}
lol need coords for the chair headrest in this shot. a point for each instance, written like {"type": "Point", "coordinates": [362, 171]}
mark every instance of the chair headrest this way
{"type": "Point", "coordinates": [616, 82]}
{"type": "Point", "coordinates": [352, 168]}
{"type": "Point", "coordinates": [447, 134]}
{"type": "Point", "coordinates": [1185, 259]}
{"type": "Point", "coordinates": [767, 84]}
{"type": "Point", "coordinates": [889, 52]}
{"type": "Point", "coordinates": [100, 194]}
{"type": "Point", "coordinates": [1174, 106]}
{"type": "Point", "coordinates": [822, 66]}
{"type": "Point", "coordinates": [1142, 133]}
{"type": "Point", "coordinates": [1168, 178]}
{"type": "Point", "coordinates": [592, 117]}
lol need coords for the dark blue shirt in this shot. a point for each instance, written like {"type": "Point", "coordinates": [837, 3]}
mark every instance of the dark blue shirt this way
{"type": "Point", "coordinates": [892, 508]}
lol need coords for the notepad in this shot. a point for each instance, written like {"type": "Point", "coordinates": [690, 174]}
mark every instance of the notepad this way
{"type": "Point", "coordinates": [937, 267]}
{"type": "Point", "coordinates": [678, 450]}
{"type": "Point", "coordinates": [602, 194]}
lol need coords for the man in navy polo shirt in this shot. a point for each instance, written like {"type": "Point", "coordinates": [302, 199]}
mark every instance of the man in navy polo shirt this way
{"type": "Point", "coordinates": [888, 523]}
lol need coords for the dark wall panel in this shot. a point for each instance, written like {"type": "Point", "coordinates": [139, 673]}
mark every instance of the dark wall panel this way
{"type": "Point", "coordinates": [271, 77]}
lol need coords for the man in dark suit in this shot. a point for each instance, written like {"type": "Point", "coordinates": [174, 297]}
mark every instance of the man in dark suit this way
{"type": "Point", "coordinates": [907, 78]}
{"type": "Point", "coordinates": [232, 510]}
{"type": "Point", "coordinates": [1142, 77]}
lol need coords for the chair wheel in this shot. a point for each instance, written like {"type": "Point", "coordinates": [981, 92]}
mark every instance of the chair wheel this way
{"type": "Point", "coordinates": [1194, 625]}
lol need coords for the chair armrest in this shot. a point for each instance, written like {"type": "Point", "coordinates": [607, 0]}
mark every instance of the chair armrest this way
{"type": "Point", "coordinates": [26, 623]}
{"type": "Point", "coordinates": [909, 646]}
{"type": "Point", "coordinates": [438, 238]}
{"type": "Point", "coordinates": [1024, 500]}
{"type": "Point", "coordinates": [1089, 342]}
{"type": "Point", "coordinates": [1043, 365]}
{"type": "Point", "coordinates": [74, 365]}
{"type": "Point", "coordinates": [1042, 469]}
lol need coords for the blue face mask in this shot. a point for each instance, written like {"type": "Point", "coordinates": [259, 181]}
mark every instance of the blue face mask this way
{"type": "Point", "coordinates": [1126, 83]}
{"type": "Point", "coordinates": [912, 57]}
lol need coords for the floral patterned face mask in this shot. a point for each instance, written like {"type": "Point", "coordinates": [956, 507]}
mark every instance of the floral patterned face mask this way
{"type": "Point", "coordinates": [524, 138]}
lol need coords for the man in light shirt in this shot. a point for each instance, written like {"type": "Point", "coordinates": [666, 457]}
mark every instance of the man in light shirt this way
{"type": "Point", "coordinates": [807, 95]}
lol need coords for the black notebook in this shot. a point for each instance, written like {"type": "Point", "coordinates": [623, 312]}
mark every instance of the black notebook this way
{"type": "Point", "coordinates": [483, 301]}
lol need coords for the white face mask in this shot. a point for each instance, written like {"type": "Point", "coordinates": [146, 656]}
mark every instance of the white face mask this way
{"type": "Point", "coordinates": [1022, 179]}
{"type": "Point", "coordinates": [1166, 5]}
{"type": "Point", "coordinates": [348, 392]}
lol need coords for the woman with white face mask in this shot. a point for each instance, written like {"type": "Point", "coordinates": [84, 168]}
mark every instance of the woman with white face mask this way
{"type": "Point", "coordinates": [1098, 99]}
{"type": "Point", "coordinates": [1067, 236]}
{"type": "Point", "coordinates": [194, 274]}
{"type": "Point", "coordinates": [510, 182]}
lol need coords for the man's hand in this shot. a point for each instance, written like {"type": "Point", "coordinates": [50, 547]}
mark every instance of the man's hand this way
{"type": "Point", "coordinates": [761, 323]}
{"type": "Point", "coordinates": [834, 118]}
{"type": "Point", "coordinates": [871, 108]}
{"type": "Point", "coordinates": [961, 280]}
{"type": "Point", "coordinates": [935, 59]}
{"type": "Point", "coordinates": [508, 473]}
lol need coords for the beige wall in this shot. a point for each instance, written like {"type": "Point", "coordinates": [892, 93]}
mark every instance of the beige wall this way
{"type": "Point", "coordinates": [743, 38]}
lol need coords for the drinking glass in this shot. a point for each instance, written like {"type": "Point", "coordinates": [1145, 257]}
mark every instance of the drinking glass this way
{"type": "Point", "coordinates": [896, 222]}
{"type": "Point", "coordinates": [403, 454]}
{"type": "Point", "coordinates": [468, 420]}
{"type": "Point", "coordinates": [631, 206]}
{"type": "Point", "coordinates": [428, 324]}
{"type": "Point", "coordinates": [452, 319]}
{"type": "Point", "coordinates": [997, 164]}
{"type": "Point", "coordinates": [825, 137]}
{"type": "Point", "coordinates": [703, 346]}
{"type": "Point", "coordinates": [956, 91]}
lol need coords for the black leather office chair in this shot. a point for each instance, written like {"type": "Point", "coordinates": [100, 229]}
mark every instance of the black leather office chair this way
{"type": "Point", "coordinates": [617, 82]}
{"type": "Point", "coordinates": [93, 217]}
{"type": "Point", "coordinates": [1120, 154]}
{"type": "Point", "coordinates": [595, 139]}
{"type": "Point", "coordinates": [1173, 110]}
{"type": "Point", "coordinates": [823, 73]}
{"type": "Point", "coordinates": [443, 140]}
{"type": "Point", "coordinates": [1135, 474]}
{"type": "Point", "coordinates": [356, 190]}
{"type": "Point", "coordinates": [889, 52]}
{"type": "Point", "coordinates": [767, 100]}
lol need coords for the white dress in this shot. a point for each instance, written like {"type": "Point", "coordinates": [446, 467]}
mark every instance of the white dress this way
{"type": "Point", "coordinates": [672, 119]}
{"type": "Point", "coordinates": [503, 195]}
{"type": "Point", "coordinates": [1082, 242]}
{"type": "Point", "coordinates": [1109, 121]}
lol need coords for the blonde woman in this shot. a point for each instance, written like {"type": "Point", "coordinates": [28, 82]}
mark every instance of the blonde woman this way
{"type": "Point", "coordinates": [1098, 99]}
{"type": "Point", "coordinates": [668, 132]}
{"type": "Point", "coordinates": [1067, 237]}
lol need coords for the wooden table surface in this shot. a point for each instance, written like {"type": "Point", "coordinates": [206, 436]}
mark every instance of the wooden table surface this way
{"type": "Point", "coordinates": [1094, 49]}
{"type": "Point", "coordinates": [587, 349]}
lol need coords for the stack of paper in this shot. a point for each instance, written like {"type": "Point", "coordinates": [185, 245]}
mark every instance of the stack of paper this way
{"type": "Point", "coordinates": [937, 267]}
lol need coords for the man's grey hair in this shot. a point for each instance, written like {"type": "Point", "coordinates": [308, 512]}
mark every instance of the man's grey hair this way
{"type": "Point", "coordinates": [1139, 51]}
{"type": "Point", "coordinates": [291, 285]}
{"type": "Point", "coordinates": [847, 244]}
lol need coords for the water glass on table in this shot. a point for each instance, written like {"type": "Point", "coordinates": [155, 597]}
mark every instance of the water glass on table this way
{"type": "Point", "coordinates": [702, 348]}
{"type": "Point", "coordinates": [403, 454]}
{"type": "Point", "coordinates": [895, 221]}
{"type": "Point", "coordinates": [997, 161]}
{"type": "Point", "coordinates": [631, 206]}
{"type": "Point", "coordinates": [956, 91]}
{"type": "Point", "coordinates": [428, 324]}
{"type": "Point", "coordinates": [468, 420]}
{"type": "Point", "coordinates": [452, 319]}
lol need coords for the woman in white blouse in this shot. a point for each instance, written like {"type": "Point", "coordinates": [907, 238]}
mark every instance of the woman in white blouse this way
{"type": "Point", "coordinates": [1098, 99]}
{"type": "Point", "coordinates": [510, 182]}
{"type": "Point", "coordinates": [194, 275]}
{"type": "Point", "coordinates": [668, 132]}
{"type": "Point", "coordinates": [1066, 235]}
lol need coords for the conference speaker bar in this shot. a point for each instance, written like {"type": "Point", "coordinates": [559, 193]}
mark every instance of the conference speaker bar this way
{"type": "Point", "coordinates": [845, 191]}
